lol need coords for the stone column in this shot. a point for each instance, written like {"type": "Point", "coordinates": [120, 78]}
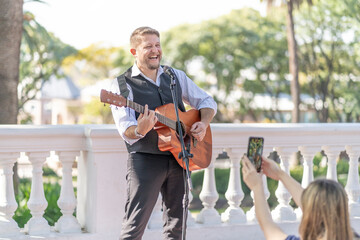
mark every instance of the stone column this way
{"type": "Point", "coordinates": [234, 194]}
{"type": "Point", "coordinates": [209, 196]}
{"type": "Point", "coordinates": [283, 211]}
{"type": "Point", "coordinates": [8, 204]}
{"type": "Point", "coordinates": [67, 201]}
{"type": "Point", "coordinates": [332, 154]}
{"type": "Point", "coordinates": [353, 186]}
{"type": "Point", "coordinates": [37, 203]}
{"type": "Point", "coordinates": [308, 154]}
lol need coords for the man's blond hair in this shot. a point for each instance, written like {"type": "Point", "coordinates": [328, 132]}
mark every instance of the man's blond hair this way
{"type": "Point", "coordinates": [136, 35]}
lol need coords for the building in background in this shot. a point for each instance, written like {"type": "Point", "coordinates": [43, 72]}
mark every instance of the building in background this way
{"type": "Point", "coordinates": [58, 102]}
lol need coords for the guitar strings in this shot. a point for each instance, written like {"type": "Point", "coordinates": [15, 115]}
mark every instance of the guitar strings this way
{"type": "Point", "coordinates": [161, 118]}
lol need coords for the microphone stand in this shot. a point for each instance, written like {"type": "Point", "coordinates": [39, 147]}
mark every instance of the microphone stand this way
{"type": "Point", "coordinates": [185, 152]}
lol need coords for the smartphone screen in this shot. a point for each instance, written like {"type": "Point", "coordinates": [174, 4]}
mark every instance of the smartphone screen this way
{"type": "Point", "coordinates": [254, 152]}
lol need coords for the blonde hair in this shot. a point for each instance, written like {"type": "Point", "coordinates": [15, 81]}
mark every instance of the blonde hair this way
{"type": "Point", "coordinates": [136, 35]}
{"type": "Point", "coordinates": [325, 212]}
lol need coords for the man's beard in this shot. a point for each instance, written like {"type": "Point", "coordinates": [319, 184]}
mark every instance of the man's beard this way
{"type": "Point", "coordinates": [153, 67]}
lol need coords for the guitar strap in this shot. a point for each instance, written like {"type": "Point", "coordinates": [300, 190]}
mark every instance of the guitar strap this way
{"type": "Point", "coordinates": [124, 91]}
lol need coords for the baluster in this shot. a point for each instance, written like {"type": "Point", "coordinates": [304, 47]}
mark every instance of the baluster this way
{"type": "Point", "coordinates": [155, 220]}
{"type": "Point", "coordinates": [209, 196]}
{"type": "Point", "coordinates": [37, 202]}
{"type": "Point", "coordinates": [251, 215]}
{"type": "Point", "coordinates": [332, 154]}
{"type": "Point", "coordinates": [283, 211]}
{"type": "Point", "coordinates": [67, 201]}
{"type": "Point", "coordinates": [308, 164]}
{"type": "Point", "coordinates": [234, 194]}
{"type": "Point", "coordinates": [308, 154]}
{"type": "Point", "coordinates": [353, 186]}
{"type": "Point", "coordinates": [8, 205]}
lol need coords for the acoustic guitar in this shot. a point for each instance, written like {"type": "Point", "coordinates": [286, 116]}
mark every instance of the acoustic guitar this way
{"type": "Point", "coordinates": [168, 132]}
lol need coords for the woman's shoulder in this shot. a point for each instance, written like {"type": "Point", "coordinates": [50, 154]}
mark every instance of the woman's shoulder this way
{"type": "Point", "coordinates": [292, 237]}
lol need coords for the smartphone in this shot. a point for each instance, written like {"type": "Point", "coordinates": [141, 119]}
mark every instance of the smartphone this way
{"type": "Point", "coordinates": [255, 150]}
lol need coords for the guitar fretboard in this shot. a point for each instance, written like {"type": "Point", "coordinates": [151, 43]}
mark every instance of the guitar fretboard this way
{"type": "Point", "coordinates": [161, 118]}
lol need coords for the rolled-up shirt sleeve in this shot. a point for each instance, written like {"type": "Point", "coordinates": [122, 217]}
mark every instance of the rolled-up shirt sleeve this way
{"type": "Point", "coordinates": [194, 95]}
{"type": "Point", "coordinates": [124, 117]}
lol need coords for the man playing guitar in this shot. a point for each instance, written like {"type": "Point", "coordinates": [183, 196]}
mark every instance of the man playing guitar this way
{"type": "Point", "coordinates": [152, 166]}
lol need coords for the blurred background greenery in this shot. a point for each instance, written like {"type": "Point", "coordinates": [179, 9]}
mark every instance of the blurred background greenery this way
{"type": "Point", "coordinates": [241, 58]}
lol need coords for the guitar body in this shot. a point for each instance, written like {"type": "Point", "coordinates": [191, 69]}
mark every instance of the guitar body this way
{"type": "Point", "coordinates": [169, 141]}
{"type": "Point", "coordinates": [167, 130]}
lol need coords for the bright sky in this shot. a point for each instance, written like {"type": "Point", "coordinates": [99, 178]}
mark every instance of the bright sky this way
{"type": "Point", "coordinates": [83, 22]}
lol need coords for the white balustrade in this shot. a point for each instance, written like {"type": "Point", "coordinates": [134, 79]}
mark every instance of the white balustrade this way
{"type": "Point", "coordinates": [308, 154]}
{"type": "Point", "coordinates": [332, 154]}
{"type": "Point", "coordinates": [8, 205]}
{"type": "Point", "coordinates": [67, 201]}
{"type": "Point", "coordinates": [234, 193]}
{"type": "Point", "coordinates": [101, 186]}
{"type": "Point", "coordinates": [353, 186]}
{"type": "Point", "coordinates": [37, 203]}
{"type": "Point", "coordinates": [283, 211]}
{"type": "Point", "coordinates": [209, 196]}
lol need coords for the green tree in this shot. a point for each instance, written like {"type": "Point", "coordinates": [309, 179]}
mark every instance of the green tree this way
{"type": "Point", "coordinates": [330, 58]}
{"type": "Point", "coordinates": [292, 50]}
{"type": "Point", "coordinates": [123, 60]}
{"type": "Point", "coordinates": [95, 112]}
{"type": "Point", "coordinates": [42, 55]}
{"type": "Point", "coordinates": [92, 64]}
{"type": "Point", "coordinates": [228, 48]}
{"type": "Point", "coordinates": [353, 8]}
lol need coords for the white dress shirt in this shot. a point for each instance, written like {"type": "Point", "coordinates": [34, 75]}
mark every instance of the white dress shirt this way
{"type": "Point", "coordinates": [192, 95]}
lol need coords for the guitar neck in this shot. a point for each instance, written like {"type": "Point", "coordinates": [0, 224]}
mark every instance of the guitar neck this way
{"type": "Point", "coordinates": [161, 118]}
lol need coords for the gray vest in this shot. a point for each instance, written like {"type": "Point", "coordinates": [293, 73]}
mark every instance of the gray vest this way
{"type": "Point", "coordinates": [145, 92]}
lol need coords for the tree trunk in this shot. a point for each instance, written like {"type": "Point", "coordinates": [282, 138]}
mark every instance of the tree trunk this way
{"type": "Point", "coordinates": [11, 20]}
{"type": "Point", "coordinates": [293, 62]}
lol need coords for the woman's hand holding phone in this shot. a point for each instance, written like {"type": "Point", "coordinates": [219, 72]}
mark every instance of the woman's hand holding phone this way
{"type": "Point", "coordinates": [254, 151]}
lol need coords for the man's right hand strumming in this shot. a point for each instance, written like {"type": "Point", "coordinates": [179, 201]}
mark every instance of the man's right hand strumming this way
{"type": "Point", "coordinates": [146, 121]}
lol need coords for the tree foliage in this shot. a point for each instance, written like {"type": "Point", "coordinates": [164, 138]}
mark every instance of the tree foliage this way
{"type": "Point", "coordinates": [352, 8]}
{"type": "Point", "coordinates": [243, 51]}
{"type": "Point", "coordinates": [330, 60]}
{"type": "Point", "coordinates": [236, 57]}
{"type": "Point", "coordinates": [93, 63]}
{"type": "Point", "coordinates": [41, 56]}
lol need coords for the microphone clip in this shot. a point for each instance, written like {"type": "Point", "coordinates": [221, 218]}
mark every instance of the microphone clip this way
{"type": "Point", "coordinates": [169, 71]}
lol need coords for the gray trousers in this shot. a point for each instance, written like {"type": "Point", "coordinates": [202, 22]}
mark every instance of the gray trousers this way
{"type": "Point", "coordinates": [147, 175]}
